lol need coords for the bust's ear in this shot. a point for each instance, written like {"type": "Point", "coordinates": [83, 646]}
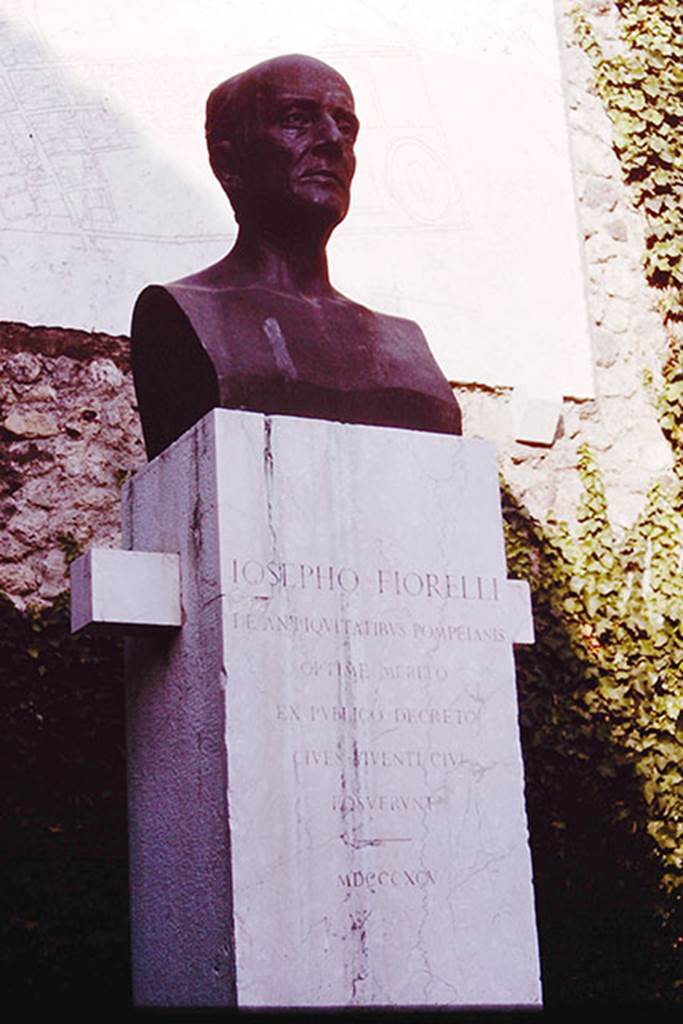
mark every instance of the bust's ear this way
{"type": "Point", "coordinates": [224, 165]}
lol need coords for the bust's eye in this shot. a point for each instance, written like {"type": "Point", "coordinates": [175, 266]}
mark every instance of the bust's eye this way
{"type": "Point", "coordinates": [347, 128]}
{"type": "Point", "coordinates": [295, 119]}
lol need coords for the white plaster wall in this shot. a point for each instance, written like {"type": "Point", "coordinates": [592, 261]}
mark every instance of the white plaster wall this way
{"type": "Point", "coordinates": [463, 210]}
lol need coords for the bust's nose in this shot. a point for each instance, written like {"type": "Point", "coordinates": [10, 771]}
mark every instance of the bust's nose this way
{"type": "Point", "coordinates": [328, 134]}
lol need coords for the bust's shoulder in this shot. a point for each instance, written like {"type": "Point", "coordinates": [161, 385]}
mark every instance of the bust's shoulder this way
{"type": "Point", "coordinates": [386, 325]}
{"type": "Point", "coordinates": [398, 325]}
{"type": "Point", "coordinates": [210, 279]}
{"type": "Point", "coordinates": [152, 298]}
{"type": "Point", "coordinates": [207, 281]}
{"type": "Point", "coordinates": [177, 303]}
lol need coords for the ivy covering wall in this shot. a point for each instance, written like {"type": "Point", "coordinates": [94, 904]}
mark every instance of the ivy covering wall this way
{"type": "Point", "coordinates": [601, 691]}
{"type": "Point", "coordinates": [642, 90]}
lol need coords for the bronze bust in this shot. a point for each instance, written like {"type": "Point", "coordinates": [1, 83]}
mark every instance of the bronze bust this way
{"type": "Point", "coordinates": [263, 329]}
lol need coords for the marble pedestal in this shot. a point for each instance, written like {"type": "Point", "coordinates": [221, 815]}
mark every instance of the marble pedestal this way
{"type": "Point", "coordinates": [325, 780]}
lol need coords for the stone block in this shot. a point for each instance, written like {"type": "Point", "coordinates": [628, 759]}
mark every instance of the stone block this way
{"type": "Point", "coordinates": [617, 315]}
{"type": "Point", "coordinates": [619, 280]}
{"type": "Point", "coordinates": [41, 392]}
{"type": "Point", "coordinates": [618, 229]}
{"type": "Point", "coordinates": [105, 372]}
{"type": "Point", "coordinates": [127, 590]}
{"type": "Point", "coordinates": [325, 778]}
{"type": "Point", "coordinates": [23, 367]}
{"type": "Point", "coordinates": [607, 348]}
{"type": "Point", "coordinates": [29, 524]}
{"type": "Point", "coordinates": [535, 419]}
{"type": "Point", "coordinates": [600, 192]}
{"type": "Point", "coordinates": [30, 424]}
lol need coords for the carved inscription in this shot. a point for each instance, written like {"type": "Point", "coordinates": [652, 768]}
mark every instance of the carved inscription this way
{"type": "Point", "coordinates": [402, 878]}
{"type": "Point", "coordinates": [381, 581]}
{"type": "Point", "coordinates": [327, 626]}
{"type": "Point", "coordinates": [378, 716]}
{"type": "Point", "coordinates": [377, 758]}
{"type": "Point", "coordinates": [348, 802]}
{"type": "Point", "coordinates": [315, 713]}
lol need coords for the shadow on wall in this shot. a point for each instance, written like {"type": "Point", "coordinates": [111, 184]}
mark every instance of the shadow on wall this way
{"type": "Point", "coordinates": [86, 205]}
{"type": "Point", "coordinates": [69, 430]}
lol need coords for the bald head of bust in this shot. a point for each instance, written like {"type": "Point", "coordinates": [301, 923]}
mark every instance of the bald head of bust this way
{"type": "Point", "coordinates": [281, 143]}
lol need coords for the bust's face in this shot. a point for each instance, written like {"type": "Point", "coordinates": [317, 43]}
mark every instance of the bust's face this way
{"type": "Point", "coordinates": [299, 159]}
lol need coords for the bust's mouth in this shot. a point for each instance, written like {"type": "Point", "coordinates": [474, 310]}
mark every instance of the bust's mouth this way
{"type": "Point", "coordinates": [324, 174]}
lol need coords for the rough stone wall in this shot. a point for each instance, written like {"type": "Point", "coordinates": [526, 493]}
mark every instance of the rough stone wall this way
{"type": "Point", "coordinates": [620, 424]}
{"type": "Point", "coordinates": [69, 433]}
{"type": "Point", "coordinates": [69, 437]}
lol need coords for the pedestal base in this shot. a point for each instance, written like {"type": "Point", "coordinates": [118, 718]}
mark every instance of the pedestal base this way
{"type": "Point", "coordinates": [326, 792]}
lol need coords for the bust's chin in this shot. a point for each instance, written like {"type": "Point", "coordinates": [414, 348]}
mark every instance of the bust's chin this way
{"type": "Point", "coordinates": [308, 213]}
{"type": "Point", "coordinates": [323, 194]}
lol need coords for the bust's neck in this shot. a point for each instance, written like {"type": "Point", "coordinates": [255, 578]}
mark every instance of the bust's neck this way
{"type": "Point", "coordinates": [297, 266]}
